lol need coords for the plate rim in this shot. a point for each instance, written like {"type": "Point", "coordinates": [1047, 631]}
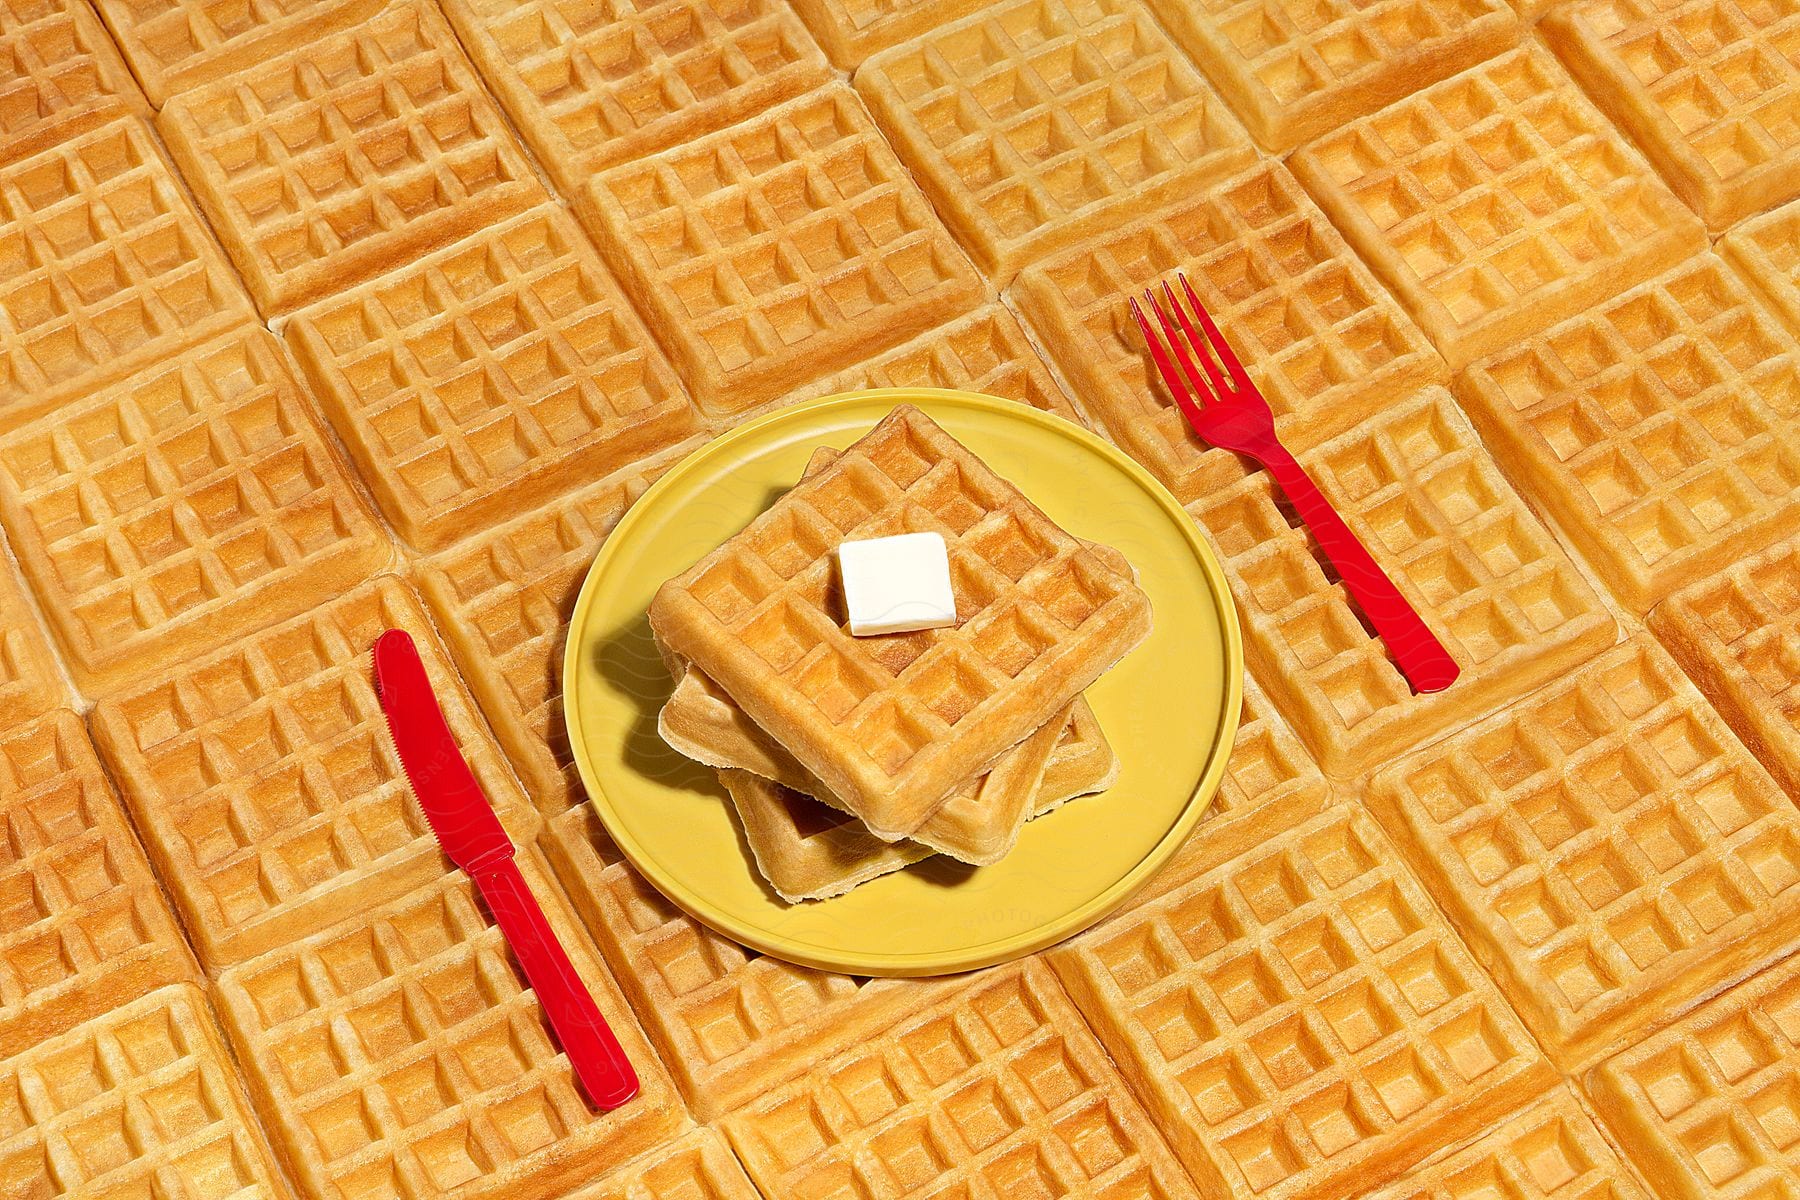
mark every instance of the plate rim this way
{"type": "Point", "coordinates": [892, 964]}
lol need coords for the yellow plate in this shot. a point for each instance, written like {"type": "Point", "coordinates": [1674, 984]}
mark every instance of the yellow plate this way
{"type": "Point", "coordinates": [1170, 708]}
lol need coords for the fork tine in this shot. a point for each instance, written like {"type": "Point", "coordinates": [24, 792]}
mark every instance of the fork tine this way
{"type": "Point", "coordinates": [1171, 378]}
{"type": "Point", "coordinates": [1197, 341]}
{"type": "Point", "coordinates": [1202, 392]}
{"type": "Point", "coordinates": [1227, 357]}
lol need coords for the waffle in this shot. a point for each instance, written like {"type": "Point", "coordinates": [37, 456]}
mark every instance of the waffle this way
{"type": "Point", "coordinates": [1035, 123]}
{"type": "Point", "coordinates": [473, 382]}
{"type": "Point", "coordinates": [348, 157]}
{"type": "Point", "coordinates": [30, 680]}
{"type": "Point", "coordinates": [1415, 486]}
{"type": "Point", "coordinates": [1738, 635]}
{"type": "Point", "coordinates": [83, 927]}
{"type": "Point", "coordinates": [1767, 251]}
{"type": "Point", "coordinates": [1497, 203]}
{"type": "Point", "coordinates": [267, 788]}
{"type": "Point", "coordinates": [142, 1101]}
{"type": "Point", "coordinates": [1323, 341]}
{"type": "Point", "coordinates": [1709, 88]}
{"type": "Point", "coordinates": [1299, 1019]}
{"type": "Point", "coordinates": [401, 1054]}
{"type": "Point", "coordinates": [1661, 429]}
{"type": "Point", "coordinates": [591, 85]}
{"type": "Point", "coordinates": [997, 1089]}
{"type": "Point", "coordinates": [730, 1023]}
{"type": "Point", "coordinates": [59, 74]}
{"type": "Point", "coordinates": [193, 502]}
{"type": "Point", "coordinates": [1707, 1108]}
{"type": "Point", "coordinates": [892, 726]}
{"type": "Point", "coordinates": [174, 45]}
{"type": "Point", "coordinates": [851, 30]}
{"type": "Point", "coordinates": [696, 1166]}
{"type": "Point", "coordinates": [1295, 70]}
{"type": "Point", "coordinates": [777, 251]}
{"type": "Point", "coordinates": [105, 267]}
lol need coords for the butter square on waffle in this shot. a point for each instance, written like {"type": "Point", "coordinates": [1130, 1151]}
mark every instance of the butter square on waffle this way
{"type": "Point", "coordinates": [133, 1103]}
{"type": "Point", "coordinates": [1709, 88]}
{"type": "Point", "coordinates": [62, 75]}
{"type": "Point", "coordinates": [83, 926]}
{"type": "Point", "coordinates": [473, 382]}
{"type": "Point", "coordinates": [1325, 343]}
{"type": "Point", "coordinates": [266, 785]}
{"type": "Point", "coordinates": [1034, 123]}
{"type": "Point", "coordinates": [1767, 251]}
{"type": "Point", "coordinates": [195, 501]}
{"type": "Point", "coordinates": [780, 250]}
{"type": "Point", "coordinates": [348, 156]}
{"type": "Point", "coordinates": [995, 1089]}
{"type": "Point", "coordinates": [1497, 203]}
{"type": "Point", "coordinates": [1417, 488]}
{"type": "Point", "coordinates": [1299, 1019]}
{"type": "Point", "coordinates": [402, 1053]}
{"type": "Point", "coordinates": [30, 679]}
{"type": "Point", "coordinates": [893, 725]}
{"type": "Point", "coordinates": [1660, 429]}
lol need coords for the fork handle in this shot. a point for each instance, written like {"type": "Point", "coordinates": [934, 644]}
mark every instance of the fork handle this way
{"type": "Point", "coordinates": [1415, 649]}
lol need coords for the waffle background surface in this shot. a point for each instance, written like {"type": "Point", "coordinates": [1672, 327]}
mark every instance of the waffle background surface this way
{"type": "Point", "coordinates": [323, 316]}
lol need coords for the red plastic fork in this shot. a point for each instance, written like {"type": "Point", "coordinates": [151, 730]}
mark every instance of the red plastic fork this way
{"type": "Point", "coordinates": [1227, 411]}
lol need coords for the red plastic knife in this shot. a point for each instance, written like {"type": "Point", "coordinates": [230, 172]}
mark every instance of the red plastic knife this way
{"type": "Point", "coordinates": [473, 837]}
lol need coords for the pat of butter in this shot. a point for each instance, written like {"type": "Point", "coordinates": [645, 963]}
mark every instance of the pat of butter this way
{"type": "Point", "coordinates": [897, 584]}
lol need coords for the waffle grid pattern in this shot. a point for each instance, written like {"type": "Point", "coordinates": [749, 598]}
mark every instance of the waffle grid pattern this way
{"type": "Point", "coordinates": [1767, 251]}
{"type": "Point", "coordinates": [59, 74]}
{"type": "Point", "coordinates": [30, 682]}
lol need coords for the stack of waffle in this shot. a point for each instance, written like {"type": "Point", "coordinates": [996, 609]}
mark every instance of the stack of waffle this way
{"type": "Point", "coordinates": [848, 757]}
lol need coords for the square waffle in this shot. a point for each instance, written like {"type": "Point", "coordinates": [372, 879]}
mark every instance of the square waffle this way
{"type": "Point", "coordinates": [1607, 847]}
{"type": "Point", "coordinates": [1660, 429]}
{"type": "Point", "coordinates": [1295, 69]}
{"type": "Point", "coordinates": [1035, 123]}
{"type": "Point", "coordinates": [105, 266]}
{"type": "Point", "coordinates": [83, 926]}
{"type": "Point", "coordinates": [174, 45]}
{"type": "Point", "coordinates": [1299, 1019]}
{"type": "Point", "coordinates": [1767, 251]}
{"type": "Point", "coordinates": [1497, 203]}
{"type": "Point", "coordinates": [1325, 344]}
{"type": "Point", "coordinates": [1416, 487]}
{"type": "Point", "coordinates": [197, 500]}
{"type": "Point", "coordinates": [142, 1101]}
{"type": "Point", "coordinates": [695, 1166]}
{"type": "Point", "coordinates": [730, 1023]}
{"type": "Point", "coordinates": [61, 75]}
{"type": "Point", "coordinates": [267, 788]}
{"type": "Point", "coordinates": [1709, 1107]}
{"type": "Point", "coordinates": [402, 1054]}
{"type": "Point", "coordinates": [1709, 88]}
{"type": "Point", "coordinates": [30, 679]}
{"type": "Point", "coordinates": [851, 30]}
{"type": "Point", "coordinates": [779, 250]}
{"type": "Point", "coordinates": [348, 157]}
{"type": "Point", "coordinates": [1738, 635]}
{"type": "Point", "coordinates": [997, 1089]}
{"type": "Point", "coordinates": [472, 382]}
{"type": "Point", "coordinates": [591, 85]}
{"type": "Point", "coordinates": [893, 725]}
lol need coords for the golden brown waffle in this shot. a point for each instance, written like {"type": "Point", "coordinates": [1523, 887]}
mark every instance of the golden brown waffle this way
{"type": "Point", "coordinates": [1661, 429]}
{"type": "Point", "coordinates": [780, 250]}
{"type": "Point", "coordinates": [1415, 485]}
{"type": "Point", "coordinates": [142, 1101]}
{"type": "Point", "coordinates": [59, 74]}
{"type": "Point", "coordinates": [1497, 203]}
{"type": "Point", "coordinates": [997, 1089]}
{"type": "Point", "coordinates": [106, 267]}
{"type": "Point", "coordinates": [474, 382]}
{"type": "Point", "coordinates": [1767, 251]}
{"type": "Point", "coordinates": [83, 926]}
{"type": "Point", "coordinates": [1609, 849]}
{"type": "Point", "coordinates": [593, 85]}
{"type": "Point", "coordinates": [402, 1054]}
{"type": "Point", "coordinates": [851, 30]}
{"type": "Point", "coordinates": [730, 1023]}
{"type": "Point", "coordinates": [1300, 1020]}
{"type": "Point", "coordinates": [891, 726]}
{"type": "Point", "coordinates": [174, 45]}
{"type": "Point", "coordinates": [1325, 344]}
{"type": "Point", "coordinates": [696, 1166]}
{"type": "Point", "coordinates": [1707, 1108]}
{"type": "Point", "coordinates": [1295, 69]}
{"type": "Point", "coordinates": [1035, 123]}
{"type": "Point", "coordinates": [1738, 635]}
{"type": "Point", "coordinates": [265, 783]}
{"type": "Point", "coordinates": [30, 681]}
{"type": "Point", "coordinates": [348, 157]}
{"type": "Point", "coordinates": [197, 500]}
{"type": "Point", "coordinates": [1709, 88]}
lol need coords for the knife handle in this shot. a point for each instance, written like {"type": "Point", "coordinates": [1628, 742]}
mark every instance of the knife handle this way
{"type": "Point", "coordinates": [599, 1061]}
